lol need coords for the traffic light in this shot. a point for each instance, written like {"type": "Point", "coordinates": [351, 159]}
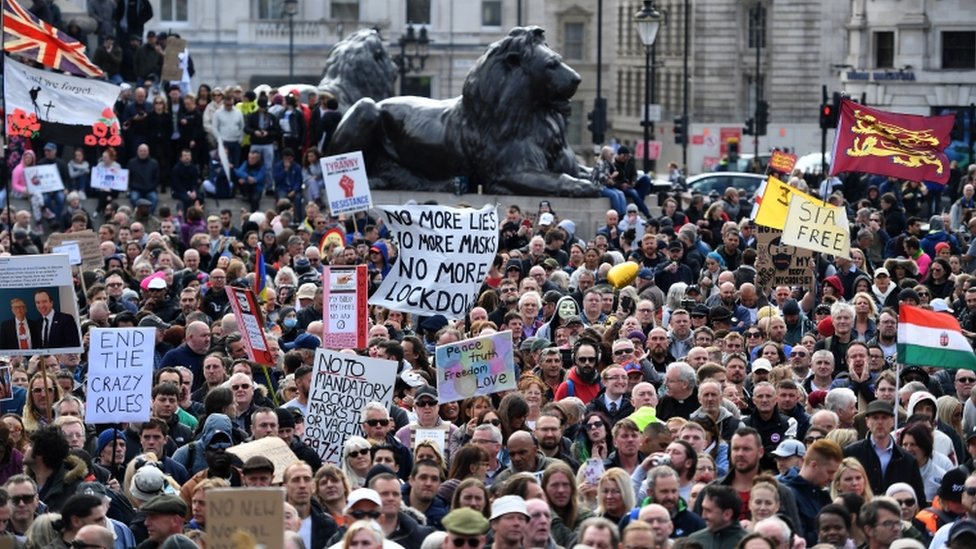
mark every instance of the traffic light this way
{"type": "Point", "coordinates": [750, 128]}
{"type": "Point", "coordinates": [733, 151]}
{"type": "Point", "coordinates": [598, 120]}
{"type": "Point", "coordinates": [680, 130]}
{"type": "Point", "coordinates": [762, 117]}
{"type": "Point", "coordinates": [830, 113]}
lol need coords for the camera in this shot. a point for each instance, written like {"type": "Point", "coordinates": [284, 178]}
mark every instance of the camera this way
{"type": "Point", "coordinates": [660, 460]}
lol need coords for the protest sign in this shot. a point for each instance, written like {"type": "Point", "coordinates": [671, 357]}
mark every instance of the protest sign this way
{"type": "Point", "coordinates": [110, 179]}
{"type": "Point", "coordinates": [346, 183]}
{"type": "Point", "coordinates": [88, 243]}
{"type": "Point", "coordinates": [444, 256]}
{"type": "Point", "coordinates": [436, 436]}
{"type": "Point", "coordinates": [270, 447]}
{"type": "Point", "coordinates": [477, 366]}
{"type": "Point", "coordinates": [71, 249]}
{"type": "Point", "coordinates": [344, 295]}
{"type": "Point", "coordinates": [248, 316]}
{"type": "Point", "coordinates": [6, 391]}
{"type": "Point", "coordinates": [778, 264]}
{"type": "Point", "coordinates": [120, 372]}
{"type": "Point", "coordinates": [821, 228]}
{"type": "Point", "coordinates": [782, 162]}
{"type": "Point", "coordinates": [257, 511]}
{"type": "Point", "coordinates": [772, 201]}
{"type": "Point", "coordinates": [172, 64]}
{"type": "Point", "coordinates": [342, 383]}
{"type": "Point", "coordinates": [38, 306]}
{"type": "Point", "coordinates": [43, 179]}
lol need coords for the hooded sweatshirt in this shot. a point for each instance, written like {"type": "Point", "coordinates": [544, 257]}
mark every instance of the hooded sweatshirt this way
{"type": "Point", "coordinates": [192, 455]}
{"type": "Point", "coordinates": [385, 254]}
{"type": "Point", "coordinates": [942, 443]}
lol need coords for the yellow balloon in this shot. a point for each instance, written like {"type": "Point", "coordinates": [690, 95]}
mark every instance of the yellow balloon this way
{"type": "Point", "coordinates": [623, 274]}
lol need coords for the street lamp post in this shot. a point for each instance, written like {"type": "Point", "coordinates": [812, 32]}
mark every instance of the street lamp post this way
{"type": "Point", "coordinates": [648, 22]}
{"type": "Point", "coordinates": [290, 8]}
{"type": "Point", "coordinates": [414, 50]}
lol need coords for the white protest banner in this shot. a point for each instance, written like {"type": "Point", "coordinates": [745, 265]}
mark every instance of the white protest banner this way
{"type": "Point", "coordinates": [257, 511]}
{"type": "Point", "coordinates": [436, 436]}
{"type": "Point", "coordinates": [43, 179]}
{"type": "Point", "coordinates": [821, 228]}
{"type": "Point", "coordinates": [346, 183]}
{"type": "Point", "coordinates": [344, 294]}
{"type": "Point", "coordinates": [110, 179]}
{"type": "Point", "coordinates": [120, 372]}
{"type": "Point", "coordinates": [444, 257]}
{"type": "Point", "coordinates": [342, 383]}
{"type": "Point", "coordinates": [72, 250]}
{"type": "Point", "coordinates": [38, 306]}
{"type": "Point", "coordinates": [477, 366]}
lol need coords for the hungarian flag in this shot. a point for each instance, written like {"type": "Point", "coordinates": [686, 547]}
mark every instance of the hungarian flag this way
{"type": "Point", "coordinates": [26, 35]}
{"type": "Point", "coordinates": [50, 106]}
{"type": "Point", "coordinates": [905, 146]}
{"type": "Point", "coordinates": [927, 338]}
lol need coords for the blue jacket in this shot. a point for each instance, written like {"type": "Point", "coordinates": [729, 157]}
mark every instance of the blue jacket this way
{"type": "Point", "coordinates": [259, 173]}
{"type": "Point", "coordinates": [290, 180]}
{"type": "Point", "coordinates": [809, 500]}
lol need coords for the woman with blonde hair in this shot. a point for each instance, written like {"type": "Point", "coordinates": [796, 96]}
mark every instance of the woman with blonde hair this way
{"type": "Point", "coordinates": [43, 393]}
{"type": "Point", "coordinates": [427, 449]}
{"type": "Point", "coordinates": [764, 500]}
{"type": "Point", "coordinates": [865, 316]}
{"type": "Point", "coordinates": [533, 390]}
{"type": "Point", "coordinates": [614, 495]}
{"type": "Point", "coordinates": [356, 461]}
{"type": "Point", "coordinates": [842, 437]}
{"type": "Point", "coordinates": [950, 412]}
{"type": "Point", "coordinates": [851, 478]}
{"type": "Point", "coordinates": [362, 535]}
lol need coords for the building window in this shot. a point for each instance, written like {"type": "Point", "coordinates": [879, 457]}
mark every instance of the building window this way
{"type": "Point", "coordinates": [959, 50]}
{"type": "Point", "coordinates": [573, 41]}
{"type": "Point", "coordinates": [491, 13]}
{"type": "Point", "coordinates": [173, 11]}
{"type": "Point", "coordinates": [345, 10]}
{"type": "Point", "coordinates": [884, 50]}
{"type": "Point", "coordinates": [418, 12]}
{"type": "Point", "coordinates": [574, 124]}
{"type": "Point", "coordinates": [270, 9]}
{"type": "Point", "coordinates": [757, 27]}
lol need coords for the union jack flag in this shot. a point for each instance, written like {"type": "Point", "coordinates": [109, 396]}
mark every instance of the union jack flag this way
{"type": "Point", "coordinates": [26, 35]}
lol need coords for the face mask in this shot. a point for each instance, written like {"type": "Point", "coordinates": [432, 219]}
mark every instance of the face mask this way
{"type": "Point", "coordinates": [290, 322]}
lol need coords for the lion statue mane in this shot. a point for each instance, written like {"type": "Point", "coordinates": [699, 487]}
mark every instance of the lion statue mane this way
{"type": "Point", "coordinates": [506, 132]}
{"type": "Point", "coordinates": [357, 67]}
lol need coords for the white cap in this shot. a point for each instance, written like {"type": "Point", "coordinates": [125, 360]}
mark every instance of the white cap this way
{"type": "Point", "coordinates": [940, 305]}
{"type": "Point", "coordinates": [508, 504]}
{"type": "Point", "coordinates": [546, 219]}
{"type": "Point", "coordinates": [157, 283]}
{"type": "Point", "coordinates": [363, 494]}
{"type": "Point", "coordinates": [762, 364]}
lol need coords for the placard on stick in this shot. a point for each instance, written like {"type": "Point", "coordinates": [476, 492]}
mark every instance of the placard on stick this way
{"type": "Point", "coordinates": [88, 242]}
{"type": "Point", "coordinates": [477, 366]}
{"type": "Point", "coordinates": [270, 447]}
{"type": "Point", "coordinates": [345, 312]}
{"type": "Point", "coordinates": [120, 369]}
{"type": "Point", "coordinates": [779, 264]}
{"type": "Point", "coordinates": [342, 383]}
{"type": "Point", "coordinates": [171, 59]}
{"type": "Point", "coordinates": [258, 511]}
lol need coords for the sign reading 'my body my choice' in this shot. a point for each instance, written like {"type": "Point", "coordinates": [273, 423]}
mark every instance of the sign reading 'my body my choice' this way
{"type": "Point", "coordinates": [444, 255]}
{"type": "Point", "coordinates": [342, 383]}
{"type": "Point", "coordinates": [120, 370]}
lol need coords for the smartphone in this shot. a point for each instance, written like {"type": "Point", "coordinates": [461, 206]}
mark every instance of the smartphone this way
{"type": "Point", "coordinates": [567, 355]}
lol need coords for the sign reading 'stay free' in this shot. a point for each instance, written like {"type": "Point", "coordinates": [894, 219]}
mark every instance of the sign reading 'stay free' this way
{"type": "Point", "coordinates": [346, 183]}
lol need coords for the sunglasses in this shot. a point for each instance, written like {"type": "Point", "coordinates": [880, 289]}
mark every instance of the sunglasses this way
{"type": "Point", "coordinates": [906, 502]}
{"type": "Point", "coordinates": [811, 440]}
{"type": "Point", "coordinates": [240, 387]}
{"type": "Point", "coordinates": [966, 380]}
{"type": "Point", "coordinates": [377, 422]}
{"type": "Point", "coordinates": [470, 542]}
{"type": "Point", "coordinates": [425, 403]}
{"type": "Point", "coordinates": [970, 491]}
{"type": "Point", "coordinates": [801, 354]}
{"type": "Point", "coordinates": [594, 425]}
{"type": "Point", "coordinates": [360, 515]}
{"type": "Point", "coordinates": [78, 544]}
{"type": "Point", "coordinates": [495, 422]}
{"type": "Point", "coordinates": [586, 359]}
{"type": "Point", "coordinates": [22, 500]}
{"type": "Point", "coordinates": [753, 334]}
{"type": "Point", "coordinates": [619, 352]}
{"type": "Point", "coordinates": [217, 446]}
{"type": "Point", "coordinates": [357, 453]}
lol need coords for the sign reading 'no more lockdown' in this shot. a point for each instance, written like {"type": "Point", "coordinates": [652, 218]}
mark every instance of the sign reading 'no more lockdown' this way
{"type": "Point", "coordinates": [444, 257]}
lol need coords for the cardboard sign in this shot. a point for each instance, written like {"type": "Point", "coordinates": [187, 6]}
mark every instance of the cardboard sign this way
{"type": "Point", "coordinates": [43, 179]}
{"type": "Point", "coordinates": [346, 183]}
{"type": "Point", "coordinates": [257, 511]}
{"type": "Point", "coordinates": [120, 372]}
{"type": "Point", "coordinates": [773, 202]}
{"type": "Point", "coordinates": [444, 257]}
{"type": "Point", "coordinates": [110, 179]}
{"type": "Point", "coordinates": [38, 306]}
{"type": "Point", "coordinates": [248, 315]}
{"type": "Point", "coordinates": [72, 250]}
{"type": "Point", "coordinates": [88, 243]}
{"type": "Point", "coordinates": [477, 366]}
{"type": "Point", "coordinates": [778, 264]}
{"type": "Point", "coordinates": [344, 292]}
{"type": "Point", "coordinates": [821, 228]}
{"type": "Point", "coordinates": [272, 448]}
{"type": "Point", "coordinates": [342, 384]}
{"type": "Point", "coordinates": [436, 436]}
{"type": "Point", "coordinates": [172, 70]}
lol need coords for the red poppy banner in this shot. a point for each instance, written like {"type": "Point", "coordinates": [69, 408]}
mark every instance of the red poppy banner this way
{"type": "Point", "coordinates": [50, 106]}
{"type": "Point", "coordinates": [905, 146]}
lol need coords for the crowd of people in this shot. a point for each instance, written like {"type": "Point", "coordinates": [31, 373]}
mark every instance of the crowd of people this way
{"type": "Point", "coordinates": [690, 407]}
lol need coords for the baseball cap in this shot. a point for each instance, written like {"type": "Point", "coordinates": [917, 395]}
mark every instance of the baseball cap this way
{"type": "Point", "coordinates": [546, 219]}
{"type": "Point", "coordinates": [153, 321]}
{"type": "Point", "coordinates": [761, 365]}
{"type": "Point", "coordinates": [363, 494]}
{"type": "Point", "coordinates": [881, 271]}
{"type": "Point", "coordinates": [963, 527]}
{"type": "Point", "coordinates": [508, 504]}
{"type": "Point", "coordinates": [952, 485]}
{"type": "Point", "coordinates": [425, 391]}
{"type": "Point", "coordinates": [790, 448]}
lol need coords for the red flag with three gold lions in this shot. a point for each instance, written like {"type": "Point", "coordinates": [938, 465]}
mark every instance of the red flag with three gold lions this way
{"type": "Point", "coordinates": [905, 146]}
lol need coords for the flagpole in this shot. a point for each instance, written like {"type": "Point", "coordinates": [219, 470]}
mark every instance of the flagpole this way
{"type": "Point", "coordinates": [7, 172]}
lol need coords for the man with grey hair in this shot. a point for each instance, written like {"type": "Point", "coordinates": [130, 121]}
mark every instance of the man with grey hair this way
{"type": "Point", "coordinates": [599, 533]}
{"type": "Point", "coordinates": [842, 317]}
{"type": "Point", "coordinates": [825, 420]}
{"type": "Point", "coordinates": [843, 402]}
{"type": "Point", "coordinates": [681, 398]}
{"type": "Point", "coordinates": [822, 372]}
{"type": "Point", "coordinates": [776, 530]}
{"type": "Point", "coordinates": [489, 438]}
{"type": "Point", "coordinates": [661, 487]}
{"type": "Point", "coordinates": [379, 428]}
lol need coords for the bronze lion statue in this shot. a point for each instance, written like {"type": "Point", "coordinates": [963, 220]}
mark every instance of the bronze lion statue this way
{"type": "Point", "coordinates": [506, 132]}
{"type": "Point", "coordinates": [359, 67]}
